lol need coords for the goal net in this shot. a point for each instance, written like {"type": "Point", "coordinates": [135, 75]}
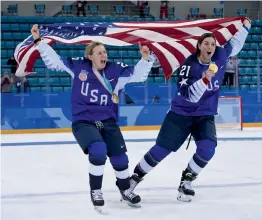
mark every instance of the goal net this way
{"type": "Point", "coordinates": [229, 112]}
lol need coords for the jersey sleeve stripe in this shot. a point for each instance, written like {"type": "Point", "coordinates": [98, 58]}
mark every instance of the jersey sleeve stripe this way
{"type": "Point", "coordinates": [197, 90]}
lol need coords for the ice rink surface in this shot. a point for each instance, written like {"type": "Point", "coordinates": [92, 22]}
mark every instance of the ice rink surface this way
{"type": "Point", "coordinates": [45, 177]}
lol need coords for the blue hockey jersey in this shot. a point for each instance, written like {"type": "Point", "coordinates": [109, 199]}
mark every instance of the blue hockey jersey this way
{"type": "Point", "coordinates": [91, 101]}
{"type": "Point", "coordinates": [194, 97]}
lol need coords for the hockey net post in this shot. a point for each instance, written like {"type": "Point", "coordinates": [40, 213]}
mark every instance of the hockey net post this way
{"type": "Point", "coordinates": [229, 113]}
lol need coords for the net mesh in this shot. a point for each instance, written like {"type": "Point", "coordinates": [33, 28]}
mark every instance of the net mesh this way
{"type": "Point", "coordinates": [229, 113]}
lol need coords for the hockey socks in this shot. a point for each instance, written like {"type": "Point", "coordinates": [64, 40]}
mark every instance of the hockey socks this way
{"type": "Point", "coordinates": [155, 155]}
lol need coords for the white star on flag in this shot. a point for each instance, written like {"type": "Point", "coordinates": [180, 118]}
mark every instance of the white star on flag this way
{"type": "Point", "coordinates": [183, 82]}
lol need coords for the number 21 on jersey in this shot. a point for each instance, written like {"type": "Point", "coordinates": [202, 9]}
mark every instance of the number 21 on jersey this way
{"type": "Point", "coordinates": [184, 70]}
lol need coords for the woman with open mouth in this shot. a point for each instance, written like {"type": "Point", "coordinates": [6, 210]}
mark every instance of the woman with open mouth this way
{"type": "Point", "coordinates": [96, 87]}
{"type": "Point", "coordinates": [193, 109]}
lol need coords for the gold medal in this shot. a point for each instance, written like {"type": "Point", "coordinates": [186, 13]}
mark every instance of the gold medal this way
{"type": "Point", "coordinates": [213, 67]}
{"type": "Point", "coordinates": [115, 98]}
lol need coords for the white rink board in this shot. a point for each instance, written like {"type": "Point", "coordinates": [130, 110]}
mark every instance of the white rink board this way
{"type": "Point", "coordinates": [50, 182]}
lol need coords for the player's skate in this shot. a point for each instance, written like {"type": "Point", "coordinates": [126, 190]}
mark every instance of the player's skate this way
{"type": "Point", "coordinates": [134, 181]}
{"type": "Point", "coordinates": [130, 198]}
{"type": "Point", "coordinates": [97, 199]}
{"type": "Point", "coordinates": [185, 190]}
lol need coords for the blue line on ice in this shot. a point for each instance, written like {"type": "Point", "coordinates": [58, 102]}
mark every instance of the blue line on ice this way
{"type": "Point", "coordinates": [127, 140]}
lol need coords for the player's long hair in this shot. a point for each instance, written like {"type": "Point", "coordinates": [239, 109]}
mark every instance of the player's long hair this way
{"type": "Point", "coordinates": [89, 49]}
{"type": "Point", "coordinates": [201, 39]}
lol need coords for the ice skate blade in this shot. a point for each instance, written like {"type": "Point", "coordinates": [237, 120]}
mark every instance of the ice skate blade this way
{"type": "Point", "coordinates": [137, 205]}
{"type": "Point", "coordinates": [184, 198]}
{"type": "Point", "coordinates": [100, 210]}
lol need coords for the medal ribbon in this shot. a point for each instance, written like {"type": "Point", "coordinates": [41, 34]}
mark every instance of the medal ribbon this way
{"type": "Point", "coordinates": [105, 82]}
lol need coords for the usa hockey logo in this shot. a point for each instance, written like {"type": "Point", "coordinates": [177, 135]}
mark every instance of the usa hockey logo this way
{"type": "Point", "coordinates": [83, 75]}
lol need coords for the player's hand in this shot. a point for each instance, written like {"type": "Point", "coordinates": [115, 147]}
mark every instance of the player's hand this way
{"type": "Point", "coordinates": [35, 31]}
{"type": "Point", "coordinates": [247, 23]}
{"type": "Point", "coordinates": [145, 52]}
{"type": "Point", "coordinates": [209, 74]}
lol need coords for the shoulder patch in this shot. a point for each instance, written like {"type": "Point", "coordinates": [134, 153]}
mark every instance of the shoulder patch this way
{"type": "Point", "coordinates": [83, 75]}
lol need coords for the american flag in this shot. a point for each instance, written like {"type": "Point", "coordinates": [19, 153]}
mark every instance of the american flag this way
{"type": "Point", "coordinates": [172, 42]}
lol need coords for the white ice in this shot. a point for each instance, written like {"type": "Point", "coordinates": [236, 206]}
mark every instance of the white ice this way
{"type": "Point", "coordinates": [51, 182]}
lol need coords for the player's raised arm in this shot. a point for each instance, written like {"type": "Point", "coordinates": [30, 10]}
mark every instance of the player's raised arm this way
{"type": "Point", "coordinates": [189, 84]}
{"type": "Point", "coordinates": [234, 46]}
{"type": "Point", "coordinates": [143, 67]}
{"type": "Point", "coordinates": [51, 59]}
{"type": "Point", "coordinates": [137, 73]}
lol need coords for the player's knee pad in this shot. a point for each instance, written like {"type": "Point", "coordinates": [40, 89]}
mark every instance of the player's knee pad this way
{"type": "Point", "coordinates": [206, 149]}
{"type": "Point", "coordinates": [159, 153]}
{"type": "Point", "coordinates": [119, 162]}
{"type": "Point", "coordinates": [97, 153]}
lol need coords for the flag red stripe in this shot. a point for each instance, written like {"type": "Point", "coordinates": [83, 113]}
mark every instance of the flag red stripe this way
{"type": "Point", "coordinates": [219, 37]}
{"type": "Point", "coordinates": [232, 29]}
{"type": "Point", "coordinates": [179, 55]}
{"type": "Point", "coordinates": [188, 45]}
{"type": "Point", "coordinates": [24, 52]}
{"type": "Point", "coordinates": [163, 61]}
{"type": "Point", "coordinates": [129, 38]}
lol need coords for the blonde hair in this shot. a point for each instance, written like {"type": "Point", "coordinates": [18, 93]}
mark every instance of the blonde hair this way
{"type": "Point", "coordinates": [90, 47]}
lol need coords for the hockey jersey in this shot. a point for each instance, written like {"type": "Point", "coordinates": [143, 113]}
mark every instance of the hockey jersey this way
{"type": "Point", "coordinates": [91, 100]}
{"type": "Point", "coordinates": [194, 97]}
